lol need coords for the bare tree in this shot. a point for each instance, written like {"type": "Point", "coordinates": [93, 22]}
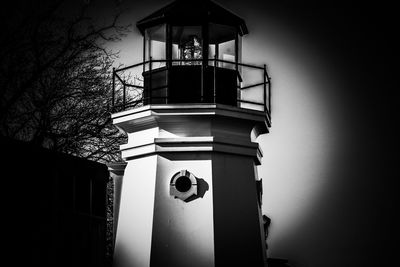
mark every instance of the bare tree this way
{"type": "Point", "coordinates": [55, 79]}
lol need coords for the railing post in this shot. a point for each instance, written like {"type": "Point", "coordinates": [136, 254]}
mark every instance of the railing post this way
{"type": "Point", "coordinates": [168, 64]}
{"type": "Point", "coordinates": [215, 83]}
{"type": "Point", "coordinates": [202, 84]}
{"type": "Point", "coordinates": [124, 96]}
{"type": "Point", "coordinates": [265, 89]}
{"type": "Point", "coordinates": [113, 89]}
{"type": "Point", "coordinates": [269, 97]}
{"type": "Point", "coordinates": [150, 83]}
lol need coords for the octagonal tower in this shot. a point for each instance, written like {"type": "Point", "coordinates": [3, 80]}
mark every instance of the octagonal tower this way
{"type": "Point", "coordinates": [192, 111]}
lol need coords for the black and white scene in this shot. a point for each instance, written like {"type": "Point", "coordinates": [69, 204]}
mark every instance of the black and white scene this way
{"type": "Point", "coordinates": [199, 133]}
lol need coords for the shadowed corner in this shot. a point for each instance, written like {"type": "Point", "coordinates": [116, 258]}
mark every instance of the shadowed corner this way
{"type": "Point", "coordinates": [275, 262]}
{"type": "Point", "coordinates": [272, 262]}
{"type": "Point", "coordinates": [202, 188]}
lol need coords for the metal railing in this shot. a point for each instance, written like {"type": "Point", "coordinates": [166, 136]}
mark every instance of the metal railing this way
{"type": "Point", "coordinates": [253, 84]}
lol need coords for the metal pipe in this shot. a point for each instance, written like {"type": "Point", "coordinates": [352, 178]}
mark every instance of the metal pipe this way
{"type": "Point", "coordinates": [202, 84]}
{"type": "Point", "coordinates": [251, 102]}
{"type": "Point", "coordinates": [124, 97]}
{"type": "Point", "coordinates": [113, 90]}
{"type": "Point", "coordinates": [188, 60]}
{"type": "Point", "coordinates": [215, 76]}
{"type": "Point", "coordinates": [269, 97]}
{"type": "Point", "coordinates": [119, 78]}
{"type": "Point", "coordinates": [167, 78]}
{"type": "Point", "coordinates": [135, 86]}
{"type": "Point", "coordinates": [253, 85]}
{"type": "Point", "coordinates": [150, 83]}
{"type": "Point", "coordinates": [265, 89]}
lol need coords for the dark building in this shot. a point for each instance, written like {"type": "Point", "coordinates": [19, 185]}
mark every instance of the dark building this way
{"type": "Point", "coordinates": [55, 207]}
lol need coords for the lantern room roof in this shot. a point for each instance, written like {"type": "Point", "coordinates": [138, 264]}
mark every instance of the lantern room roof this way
{"type": "Point", "coordinates": [185, 12]}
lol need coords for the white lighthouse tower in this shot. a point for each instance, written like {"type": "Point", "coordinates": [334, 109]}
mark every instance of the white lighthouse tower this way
{"type": "Point", "coordinates": [190, 192]}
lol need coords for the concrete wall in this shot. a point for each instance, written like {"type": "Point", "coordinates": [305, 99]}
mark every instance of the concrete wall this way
{"type": "Point", "coordinates": [237, 220]}
{"type": "Point", "coordinates": [133, 239]}
{"type": "Point", "coordinates": [219, 227]}
{"type": "Point", "coordinates": [183, 232]}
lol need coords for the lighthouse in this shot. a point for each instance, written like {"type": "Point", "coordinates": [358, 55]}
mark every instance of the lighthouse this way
{"type": "Point", "coordinates": [192, 110]}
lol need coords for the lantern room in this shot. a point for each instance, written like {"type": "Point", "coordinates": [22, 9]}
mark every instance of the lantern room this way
{"type": "Point", "coordinates": [186, 47]}
{"type": "Point", "coordinates": [191, 55]}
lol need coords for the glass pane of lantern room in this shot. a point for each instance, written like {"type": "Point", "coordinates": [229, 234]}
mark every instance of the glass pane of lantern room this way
{"type": "Point", "coordinates": [187, 45]}
{"type": "Point", "coordinates": [227, 53]}
{"type": "Point", "coordinates": [222, 44]}
{"type": "Point", "coordinates": [155, 45]}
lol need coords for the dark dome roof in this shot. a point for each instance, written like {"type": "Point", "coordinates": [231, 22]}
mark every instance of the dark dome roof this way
{"type": "Point", "coordinates": [184, 12]}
